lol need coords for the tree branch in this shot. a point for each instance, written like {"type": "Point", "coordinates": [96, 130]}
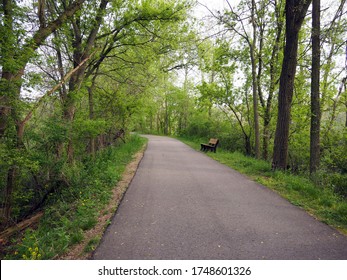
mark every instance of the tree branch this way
{"type": "Point", "coordinates": [43, 32]}
{"type": "Point", "coordinates": [55, 88]}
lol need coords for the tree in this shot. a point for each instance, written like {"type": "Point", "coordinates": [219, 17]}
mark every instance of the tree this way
{"type": "Point", "coordinates": [54, 40]}
{"type": "Point", "coordinates": [252, 46]}
{"type": "Point", "coordinates": [315, 93]}
{"type": "Point", "coordinates": [251, 41]}
{"type": "Point", "coordinates": [234, 101]}
{"type": "Point", "coordinates": [295, 14]}
{"type": "Point", "coordinates": [14, 58]}
{"type": "Point", "coordinates": [259, 24]}
{"type": "Point", "coordinates": [275, 36]}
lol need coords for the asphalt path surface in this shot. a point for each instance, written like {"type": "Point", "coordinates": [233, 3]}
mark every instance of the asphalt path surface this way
{"type": "Point", "coordinates": [182, 204]}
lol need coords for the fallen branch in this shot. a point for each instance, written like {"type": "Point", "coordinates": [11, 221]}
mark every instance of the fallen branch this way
{"type": "Point", "coordinates": [20, 227]}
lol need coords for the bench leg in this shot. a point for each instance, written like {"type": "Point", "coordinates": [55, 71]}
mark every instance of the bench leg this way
{"type": "Point", "coordinates": [206, 148]}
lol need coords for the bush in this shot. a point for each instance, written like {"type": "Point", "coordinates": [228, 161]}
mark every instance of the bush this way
{"type": "Point", "coordinates": [74, 208]}
{"type": "Point", "coordinates": [339, 184]}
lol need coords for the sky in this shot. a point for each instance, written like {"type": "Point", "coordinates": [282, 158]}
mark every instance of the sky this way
{"type": "Point", "coordinates": [221, 4]}
{"type": "Point", "coordinates": [201, 11]}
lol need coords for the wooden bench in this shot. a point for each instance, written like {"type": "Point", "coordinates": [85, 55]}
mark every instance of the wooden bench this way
{"type": "Point", "coordinates": [211, 146]}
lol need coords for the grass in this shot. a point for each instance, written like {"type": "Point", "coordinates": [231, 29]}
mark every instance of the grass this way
{"type": "Point", "coordinates": [75, 209]}
{"type": "Point", "coordinates": [321, 202]}
{"type": "Point", "coordinates": [91, 245]}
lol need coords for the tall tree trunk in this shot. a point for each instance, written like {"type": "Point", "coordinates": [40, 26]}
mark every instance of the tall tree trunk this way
{"type": "Point", "coordinates": [315, 95]}
{"type": "Point", "coordinates": [81, 51]}
{"type": "Point", "coordinates": [295, 14]}
{"type": "Point", "coordinates": [273, 78]}
{"type": "Point", "coordinates": [254, 85]}
{"type": "Point", "coordinates": [63, 91]}
{"type": "Point", "coordinates": [260, 93]}
{"type": "Point", "coordinates": [248, 146]}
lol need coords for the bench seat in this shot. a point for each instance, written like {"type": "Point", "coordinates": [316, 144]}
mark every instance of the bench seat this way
{"type": "Point", "coordinates": [211, 146]}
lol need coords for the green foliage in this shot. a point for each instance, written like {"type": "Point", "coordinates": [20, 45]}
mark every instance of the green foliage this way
{"type": "Point", "coordinates": [30, 249]}
{"type": "Point", "coordinates": [333, 180]}
{"type": "Point", "coordinates": [72, 210]}
{"type": "Point", "coordinates": [201, 127]}
{"type": "Point", "coordinates": [24, 165]}
{"type": "Point", "coordinates": [84, 129]}
{"type": "Point", "coordinates": [335, 151]}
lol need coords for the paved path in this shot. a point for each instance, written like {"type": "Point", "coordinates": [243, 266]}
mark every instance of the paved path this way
{"type": "Point", "coordinates": [182, 204]}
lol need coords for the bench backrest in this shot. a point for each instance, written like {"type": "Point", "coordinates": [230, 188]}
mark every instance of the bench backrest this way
{"type": "Point", "coordinates": [213, 142]}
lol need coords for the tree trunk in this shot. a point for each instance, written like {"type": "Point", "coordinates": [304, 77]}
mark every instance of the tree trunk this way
{"type": "Point", "coordinates": [74, 85]}
{"type": "Point", "coordinates": [81, 51]}
{"type": "Point", "coordinates": [69, 115]}
{"type": "Point", "coordinates": [248, 145]}
{"type": "Point", "coordinates": [10, 185]}
{"type": "Point", "coordinates": [166, 122]}
{"type": "Point", "coordinates": [266, 135]}
{"type": "Point", "coordinates": [151, 122]}
{"type": "Point", "coordinates": [315, 95]}
{"type": "Point", "coordinates": [91, 117]}
{"type": "Point", "coordinates": [10, 85]}
{"type": "Point", "coordinates": [254, 85]}
{"type": "Point", "coordinates": [63, 91]}
{"type": "Point", "coordinates": [295, 14]}
{"type": "Point", "coordinates": [91, 111]}
{"type": "Point", "coordinates": [273, 78]}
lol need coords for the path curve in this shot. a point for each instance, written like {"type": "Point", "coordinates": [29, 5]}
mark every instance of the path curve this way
{"type": "Point", "coordinates": [182, 204]}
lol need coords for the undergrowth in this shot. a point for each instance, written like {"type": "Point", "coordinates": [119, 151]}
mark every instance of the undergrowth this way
{"type": "Point", "coordinates": [75, 209]}
{"type": "Point", "coordinates": [317, 197]}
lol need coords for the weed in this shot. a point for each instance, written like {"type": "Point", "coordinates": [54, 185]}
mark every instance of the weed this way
{"type": "Point", "coordinates": [76, 237]}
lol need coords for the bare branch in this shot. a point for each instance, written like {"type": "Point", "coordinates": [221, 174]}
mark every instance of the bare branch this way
{"type": "Point", "coordinates": [55, 88]}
